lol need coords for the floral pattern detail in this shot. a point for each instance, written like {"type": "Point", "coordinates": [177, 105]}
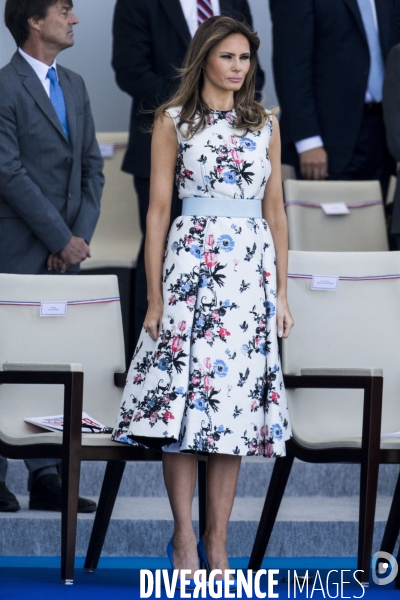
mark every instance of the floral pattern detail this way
{"type": "Point", "coordinates": [212, 381]}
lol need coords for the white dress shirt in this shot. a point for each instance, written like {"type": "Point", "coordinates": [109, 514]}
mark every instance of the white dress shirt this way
{"type": "Point", "coordinates": [189, 8]}
{"type": "Point", "coordinates": [316, 141]}
{"type": "Point", "coordinates": [40, 69]}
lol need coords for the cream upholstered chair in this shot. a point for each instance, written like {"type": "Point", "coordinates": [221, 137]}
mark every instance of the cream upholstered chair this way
{"type": "Point", "coordinates": [116, 241]}
{"type": "Point", "coordinates": [363, 229]}
{"type": "Point", "coordinates": [333, 360]}
{"type": "Point", "coordinates": [391, 190]}
{"type": "Point", "coordinates": [117, 238]}
{"type": "Point", "coordinates": [288, 172]}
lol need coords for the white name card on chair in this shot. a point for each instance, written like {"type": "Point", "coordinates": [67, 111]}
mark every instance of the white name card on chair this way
{"type": "Point", "coordinates": [325, 282]}
{"type": "Point", "coordinates": [107, 150]}
{"type": "Point", "coordinates": [335, 208]}
{"type": "Point", "coordinates": [53, 309]}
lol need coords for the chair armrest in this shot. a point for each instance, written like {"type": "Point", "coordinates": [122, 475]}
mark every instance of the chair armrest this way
{"type": "Point", "coordinates": [43, 367]}
{"type": "Point", "coordinates": [343, 371]}
{"type": "Point", "coordinates": [120, 379]}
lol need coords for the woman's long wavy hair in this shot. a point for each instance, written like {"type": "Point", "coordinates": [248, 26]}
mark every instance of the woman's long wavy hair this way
{"type": "Point", "coordinates": [250, 115]}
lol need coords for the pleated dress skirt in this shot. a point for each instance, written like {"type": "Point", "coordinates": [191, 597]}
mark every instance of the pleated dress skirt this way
{"type": "Point", "coordinates": [212, 382]}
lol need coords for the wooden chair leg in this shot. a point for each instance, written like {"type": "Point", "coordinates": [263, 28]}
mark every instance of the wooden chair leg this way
{"type": "Point", "coordinates": [276, 489]}
{"type": "Point", "coordinates": [392, 528]}
{"type": "Point", "coordinates": [69, 518]}
{"type": "Point", "coordinates": [369, 475]}
{"type": "Point", "coordinates": [202, 491]}
{"type": "Point", "coordinates": [109, 491]}
{"type": "Point", "coordinates": [71, 466]}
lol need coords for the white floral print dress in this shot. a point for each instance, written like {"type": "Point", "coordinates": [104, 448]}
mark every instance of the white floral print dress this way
{"type": "Point", "coordinates": [212, 382]}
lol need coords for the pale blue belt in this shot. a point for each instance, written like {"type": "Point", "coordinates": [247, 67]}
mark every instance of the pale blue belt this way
{"type": "Point", "coordinates": [222, 207]}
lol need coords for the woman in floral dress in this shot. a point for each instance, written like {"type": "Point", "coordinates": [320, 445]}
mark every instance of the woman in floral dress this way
{"type": "Point", "coordinates": [206, 374]}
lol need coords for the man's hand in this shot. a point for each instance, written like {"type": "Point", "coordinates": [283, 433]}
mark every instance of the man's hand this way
{"type": "Point", "coordinates": [56, 263]}
{"type": "Point", "coordinates": [314, 164]}
{"type": "Point", "coordinates": [74, 252]}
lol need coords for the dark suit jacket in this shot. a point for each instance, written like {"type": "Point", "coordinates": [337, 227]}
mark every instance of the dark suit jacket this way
{"type": "Point", "coordinates": [151, 38]}
{"type": "Point", "coordinates": [321, 65]}
{"type": "Point", "coordinates": [50, 188]}
{"type": "Point", "coordinates": [391, 113]}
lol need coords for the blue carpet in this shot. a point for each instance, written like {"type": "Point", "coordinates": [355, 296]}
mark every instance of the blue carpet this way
{"type": "Point", "coordinates": [38, 578]}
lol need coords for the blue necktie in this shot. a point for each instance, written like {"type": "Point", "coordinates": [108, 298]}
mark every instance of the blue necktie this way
{"type": "Point", "coordinates": [376, 70]}
{"type": "Point", "coordinates": [57, 99]}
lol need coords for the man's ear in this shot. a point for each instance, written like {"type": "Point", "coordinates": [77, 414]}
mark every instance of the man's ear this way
{"type": "Point", "coordinates": [35, 23]}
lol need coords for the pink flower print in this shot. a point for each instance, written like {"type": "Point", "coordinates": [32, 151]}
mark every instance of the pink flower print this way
{"type": "Point", "coordinates": [264, 431]}
{"type": "Point", "coordinates": [236, 158]}
{"type": "Point", "coordinates": [195, 381]}
{"type": "Point", "coordinates": [222, 154]}
{"type": "Point", "coordinates": [260, 282]}
{"type": "Point", "coordinates": [215, 315]}
{"type": "Point", "coordinates": [137, 416]}
{"type": "Point", "coordinates": [191, 301]}
{"type": "Point", "coordinates": [207, 363]}
{"type": "Point", "coordinates": [168, 415]}
{"type": "Point", "coordinates": [187, 173]}
{"type": "Point", "coordinates": [208, 335]}
{"type": "Point", "coordinates": [275, 397]}
{"type": "Point", "coordinates": [269, 449]}
{"type": "Point", "coordinates": [207, 383]}
{"type": "Point", "coordinates": [252, 449]}
{"type": "Point", "coordinates": [229, 388]}
{"type": "Point", "coordinates": [182, 325]}
{"type": "Point", "coordinates": [210, 239]}
{"type": "Point", "coordinates": [165, 399]}
{"type": "Point", "coordinates": [198, 227]}
{"type": "Point", "coordinates": [210, 440]}
{"type": "Point", "coordinates": [223, 333]}
{"type": "Point", "coordinates": [137, 378]}
{"type": "Point", "coordinates": [235, 264]}
{"type": "Point", "coordinates": [253, 406]}
{"type": "Point", "coordinates": [177, 344]}
{"type": "Point", "coordinates": [262, 324]}
{"type": "Point", "coordinates": [210, 259]}
{"type": "Point", "coordinates": [153, 417]}
{"type": "Point", "coordinates": [172, 299]}
{"type": "Point", "coordinates": [189, 240]}
{"type": "Point", "coordinates": [210, 119]}
{"type": "Point", "coordinates": [257, 339]}
{"type": "Point", "coordinates": [234, 140]}
{"type": "Point", "coordinates": [191, 396]}
{"type": "Point", "coordinates": [220, 170]}
{"type": "Point", "coordinates": [260, 449]}
{"type": "Point", "coordinates": [127, 420]}
{"type": "Point", "coordinates": [266, 274]}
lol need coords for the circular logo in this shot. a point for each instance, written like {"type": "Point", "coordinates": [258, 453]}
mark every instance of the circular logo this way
{"type": "Point", "coordinates": [381, 574]}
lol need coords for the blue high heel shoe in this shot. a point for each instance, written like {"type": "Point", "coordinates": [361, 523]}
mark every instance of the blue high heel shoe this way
{"type": "Point", "coordinates": [201, 551]}
{"type": "Point", "coordinates": [170, 552]}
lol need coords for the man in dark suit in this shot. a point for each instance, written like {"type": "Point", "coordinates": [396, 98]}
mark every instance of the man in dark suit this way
{"type": "Point", "coordinates": [50, 177]}
{"type": "Point", "coordinates": [328, 58]}
{"type": "Point", "coordinates": [151, 38]}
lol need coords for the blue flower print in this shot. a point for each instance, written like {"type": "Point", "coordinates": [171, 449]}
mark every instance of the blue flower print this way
{"type": "Point", "coordinates": [195, 251]}
{"type": "Point", "coordinates": [174, 246]}
{"type": "Point", "coordinates": [180, 391]}
{"type": "Point", "coordinates": [245, 348]}
{"type": "Point", "coordinates": [225, 242]}
{"type": "Point", "coordinates": [200, 322]}
{"type": "Point", "coordinates": [230, 177]}
{"type": "Point", "coordinates": [221, 429]}
{"type": "Point", "coordinates": [227, 303]}
{"type": "Point", "coordinates": [263, 348]}
{"type": "Point", "coordinates": [163, 364]}
{"type": "Point", "coordinates": [249, 144]}
{"type": "Point", "coordinates": [227, 351]}
{"type": "Point", "coordinates": [125, 440]}
{"type": "Point", "coordinates": [270, 310]}
{"type": "Point", "coordinates": [199, 404]}
{"type": "Point", "coordinates": [203, 281]}
{"type": "Point", "coordinates": [220, 368]}
{"type": "Point", "coordinates": [186, 287]}
{"type": "Point", "coordinates": [165, 433]}
{"type": "Point", "coordinates": [276, 431]}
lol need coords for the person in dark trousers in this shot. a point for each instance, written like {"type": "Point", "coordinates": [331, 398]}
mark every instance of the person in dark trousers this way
{"type": "Point", "coordinates": [51, 178]}
{"type": "Point", "coordinates": [329, 59]}
{"type": "Point", "coordinates": [150, 40]}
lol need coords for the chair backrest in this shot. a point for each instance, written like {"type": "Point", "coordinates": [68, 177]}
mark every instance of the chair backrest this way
{"type": "Point", "coordinates": [90, 334]}
{"type": "Point", "coordinates": [363, 229]}
{"type": "Point", "coordinates": [117, 238]}
{"type": "Point", "coordinates": [288, 172]}
{"type": "Point", "coordinates": [391, 190]}
{"type": "Point", "coordinates": [357, 326]}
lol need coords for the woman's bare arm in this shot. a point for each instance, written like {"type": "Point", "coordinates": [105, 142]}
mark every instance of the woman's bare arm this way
{"type": "Point", "coordinates": [163, 161]}
{"type": "Point", "coordinates": [274, 214]}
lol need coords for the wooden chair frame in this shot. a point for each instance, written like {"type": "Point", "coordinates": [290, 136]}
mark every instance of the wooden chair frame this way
{"type": "Point", "coordinates": [368, 456]}
{"type": "Point", "coordinates": [72, 452]}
